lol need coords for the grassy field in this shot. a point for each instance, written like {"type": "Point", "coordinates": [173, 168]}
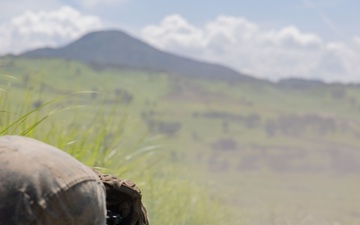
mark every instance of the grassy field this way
{"type": "Point", "coordinates": [203, 151]}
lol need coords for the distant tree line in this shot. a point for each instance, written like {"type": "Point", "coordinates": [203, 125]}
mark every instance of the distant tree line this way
{"type": "Point", "coordinates": [168, 128]}
{"type": "Point", "coordinates": [249, 121]}
{"type": "Point", "coordinates": [300, 124]}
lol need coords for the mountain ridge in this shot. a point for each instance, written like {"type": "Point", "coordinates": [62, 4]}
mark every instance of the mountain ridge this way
{"type": "Point", "coordinates": [115, 48]}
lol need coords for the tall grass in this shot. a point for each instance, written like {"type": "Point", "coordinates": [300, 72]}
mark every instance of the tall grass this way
{"type": "Point", "coordinates": [110, 139]}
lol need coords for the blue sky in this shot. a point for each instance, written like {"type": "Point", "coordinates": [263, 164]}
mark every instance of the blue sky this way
{"type": "Point", "coordinates": [343, 15]}
{"type": "Point", "coordinates": [312, 39]}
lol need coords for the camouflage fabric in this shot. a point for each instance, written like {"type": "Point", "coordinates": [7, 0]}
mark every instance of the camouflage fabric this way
{"type": "Point", "coordinates": [42, 185]}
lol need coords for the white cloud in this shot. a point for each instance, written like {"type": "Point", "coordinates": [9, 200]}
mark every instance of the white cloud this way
{"type": "Point", "coordinates": [356, 41]}
{"type": "Point", "coordinates": [271, 54]}
{"type": "Point", "coordinates": [96, 3]}
{"type": "Point", "coordinates": [45, 28]}
{"type": "Point", "coordinates": [176, 32]}
{"type": "Point", "coordinates": [291, 37]}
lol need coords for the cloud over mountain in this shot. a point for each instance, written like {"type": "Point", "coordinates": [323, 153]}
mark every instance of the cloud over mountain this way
{"type": "Point", "coordinates": [271, 54]}
{"type": "Point", "coordinates": [50, 28]}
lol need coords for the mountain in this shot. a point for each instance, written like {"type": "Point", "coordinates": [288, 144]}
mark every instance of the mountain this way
{"type": "Point", "coordinates": [117, 49]}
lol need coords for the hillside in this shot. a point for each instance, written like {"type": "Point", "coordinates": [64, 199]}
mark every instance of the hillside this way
{"type": "Point", "coordinates": [117, 49]}
{"type": "Point", "coordinates": [254, 145]}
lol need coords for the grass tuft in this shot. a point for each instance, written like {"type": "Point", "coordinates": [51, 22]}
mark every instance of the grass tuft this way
{"type": "Point", "coordinates": [113, 141]}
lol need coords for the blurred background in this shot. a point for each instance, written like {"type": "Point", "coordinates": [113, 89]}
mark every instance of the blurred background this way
{"type": "Point", "coordinates": [223, 112]}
